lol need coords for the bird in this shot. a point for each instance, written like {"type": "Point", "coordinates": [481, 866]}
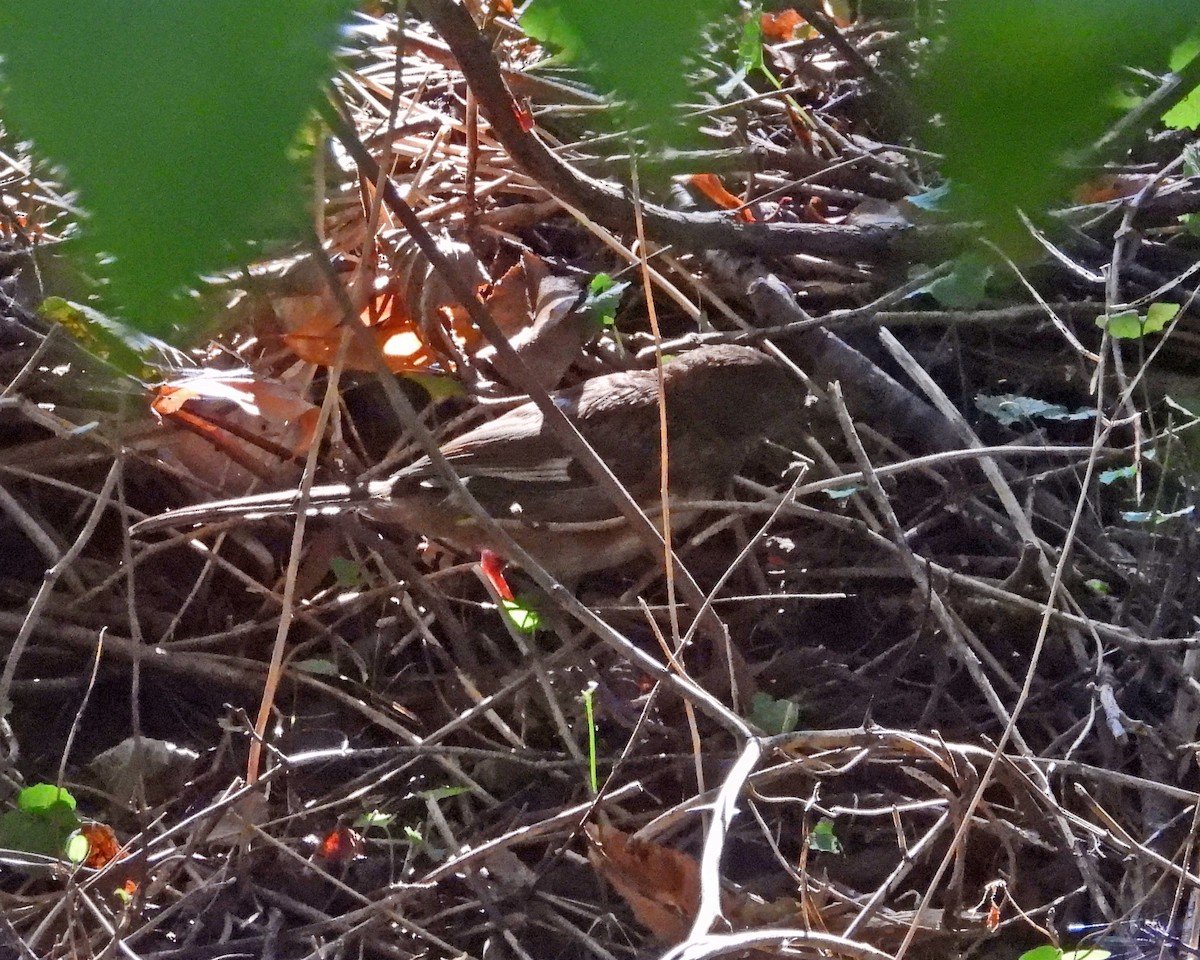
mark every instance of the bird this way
{"type": "Point", "coordinates": [719, 399]}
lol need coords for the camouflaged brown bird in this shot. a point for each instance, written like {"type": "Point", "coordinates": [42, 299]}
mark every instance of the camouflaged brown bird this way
{"type": "Point", "coordinates": [719, 399]}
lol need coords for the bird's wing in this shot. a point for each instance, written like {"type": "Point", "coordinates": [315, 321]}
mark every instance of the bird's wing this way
{"type": "Point", "coordinates": [515, 466]}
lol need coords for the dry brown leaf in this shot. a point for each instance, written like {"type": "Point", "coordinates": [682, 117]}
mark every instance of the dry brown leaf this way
{"type": "Point", "coordinates": [536, 312]}
{"type": "Point", "coordinates": [313, 325]}
{"type": "Point", "coordinates": [661, 885]}
{"type": "Point", "coordinates": [1110, 186]}
{"type": "Point", "coordinates": [244, 427]}
{"type": "Point", "coordinates": [662, 888]}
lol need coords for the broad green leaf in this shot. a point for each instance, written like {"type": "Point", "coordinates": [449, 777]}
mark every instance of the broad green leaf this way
{"type": "Point", "coordinates": [1016, 87]}
{"type": "Point", "coordinates": [44, 799]}
{"type": "Point", "coordinates": [174, 122]}
{"type": "Point", "coordinates": [1130, 325]}
{"type": "Point", "coordinates": [773, 716]}
{"type": "Point", "coordinates": [43, 822]}
{"type": "Point", "coordinates": [1046, 952]}
{"type": "Point", "coordinates": [637, 49]}
{"type": "Point", "coordinates": [964, 286]}
{"type": "Point", "coordinates": [1185, 115]}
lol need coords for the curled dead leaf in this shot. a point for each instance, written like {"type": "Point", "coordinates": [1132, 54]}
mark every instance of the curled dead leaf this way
{"type": "Point", "coordinates": [241, 427]}
{"type": "Point", "coordinates": [710, 185]}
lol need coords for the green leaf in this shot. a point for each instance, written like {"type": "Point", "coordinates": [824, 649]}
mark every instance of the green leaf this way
{"type": "Point", "coordinates": [750, 49]}
{"type": "Point", "coordinates": [174, 122]}
{"type": "Point", "coordinates": [1130, 325]}
{"type": "Point", "coordinates": [1102, 588]}
{"type": "Point", "coordinates": [1118, 473]}
{"type": "Point", "coordinates": [1086, 954]}
{"type": "Point", "coordinates": [127, 350]}
{"type": "Point", "coordinates": [522, 615]}
{"type": "Point", "coordinates": [375, 818]}
{"type": "Point", "coordinates": [773, 716]}
{"type": "Point", "coordinates": [823, 839]}
{"type": "Point", "coordinates": [413, 836]}
{"type": "Point", "coordinates": [44, 799]}
{"type": "Point", "coordinates": [1012, 408]}
{"type": "Point", "coordinates": [1185, 115]}
{"type": "Point", "coordinates": [1054, 953]}
{"type": "Point", "coordinates": [442, 793]}
{"type": "Point", "coordinates": [638, 49]}
{"type": "Point", "coordinates": [1016, 87]}
{"type": "Point", "coordinates": [76, 848]}
{"type": "Point", "coordinates": [346, 572]}
{"type": "Point", "coordinates": [964, 286]}
{"type": "Point", "coordinates": [603, 297]}
{"type": "Point", "coordinates": [1191, 223]}
{"type": "Point", "coordinates": [43, 822]}
{"type": "Point", "coordinates": [1045, 952]}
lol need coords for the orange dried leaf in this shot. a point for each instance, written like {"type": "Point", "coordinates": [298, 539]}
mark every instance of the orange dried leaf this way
{"type": "Point", "coordinates": [1109, 186]}
{"type": "Point", "coordinates": [102, 845]}
{"type": "Point", "coordinates": [341, 845]}
{"type": "Point", "coordinates": [267, 410]}
{"type": "Point", "coordinates": [710, 185]}
{"type": "Point", "coordinates": [781, 24]}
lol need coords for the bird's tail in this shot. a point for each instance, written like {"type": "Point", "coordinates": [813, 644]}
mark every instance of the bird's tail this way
{"type": "Point", "coordinates": [322, 501]}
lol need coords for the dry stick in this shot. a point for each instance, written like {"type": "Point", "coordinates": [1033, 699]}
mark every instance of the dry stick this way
{"type": "Point", "coordinates": [1118, 636]}
{"type": "Point", "coordinates": [724, 810]}
{"type": "Point", "coordinates": [913, 566]}
{"type": "Point", "coordinates": [772, 941]}
{"type": "Point", "coordinates": [664, 453]}
{"type": "Point", "coordinates": [1010, 732]}
{"type": "Point", "coordinates": [38, 536]}
{"type": "Point", "coordinates": [899, 872]}
{"type": "Point", "coordinates": [287, 611]}
{"type": "Point", "coordinates": [49, 581]}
